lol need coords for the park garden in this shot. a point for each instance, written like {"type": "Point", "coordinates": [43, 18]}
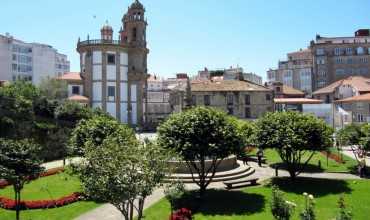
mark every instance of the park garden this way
{"type": "Point", "coordinates": [314, 179]}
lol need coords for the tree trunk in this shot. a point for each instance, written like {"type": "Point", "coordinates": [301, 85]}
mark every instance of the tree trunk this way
{"type": "Point", "coordinates": [131, 210]}
{"type": "Point", "coordinates": [18, 201]}
{"type": "Point", "coordinates": [202, 178]}
{"type": "Point", "coordinates": [141, 208]}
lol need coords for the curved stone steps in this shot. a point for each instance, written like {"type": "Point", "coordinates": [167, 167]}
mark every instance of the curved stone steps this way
{"type": "Point", "coordinates": [235, 174]}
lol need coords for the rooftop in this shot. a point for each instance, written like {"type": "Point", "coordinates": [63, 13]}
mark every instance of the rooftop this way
{"type": "Point", "coordinates": [226, 85]}
{"type": "Point", "coordinates": [297, 101]}
{"type": "Point", "coordinates": [79, 98]}
{"type": "Point", "coordinates": [360, 83]}
{"type": "Point", "coordinates": [359, 98]}
{"type": "Point", "coordinates": [72, 76]}
{"type": "Point", "coordinates": [287, 90]}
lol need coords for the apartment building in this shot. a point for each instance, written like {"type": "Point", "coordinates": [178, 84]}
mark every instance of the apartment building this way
{"type": "Point", "coordinates": [30, 61]}
{"type": "Point", "coordinates": [295, 72]}
{"type": "Point", "coordinates": [336, 58]}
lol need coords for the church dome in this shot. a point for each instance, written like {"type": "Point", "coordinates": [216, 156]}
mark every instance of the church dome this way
{"type": "Point", "coordinates": [107, 27]}
{"type": "Point", "coordinates": [137, 5]}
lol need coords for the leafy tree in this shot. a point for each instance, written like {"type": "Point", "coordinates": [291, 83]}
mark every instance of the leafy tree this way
{"type": "Point", "coordinates": [54, 89]}
{"type": "Point", "coordinates": [246, 130]}
{"type": "Point", "coordinates": [293, 135]}
{"type": "Point", "coordinates": [16, 109]}
{"type": "Point", "coordinates": [19, 162]}
{"type": "Point", "coordinates": [357, 137]}
{"type": "Point", "coordinates": [92, 131]}
{"type": "Point", "coordinates": [120, 170]}
{"type": "Point", "coordinates": [201, 134]}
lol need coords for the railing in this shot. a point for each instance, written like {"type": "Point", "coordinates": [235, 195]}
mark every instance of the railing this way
{"type": "Point", "coordinates": [99, 41]}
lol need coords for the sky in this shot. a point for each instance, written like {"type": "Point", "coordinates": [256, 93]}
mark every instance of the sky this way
{"type": "Point", "coordinates": [184, 36]}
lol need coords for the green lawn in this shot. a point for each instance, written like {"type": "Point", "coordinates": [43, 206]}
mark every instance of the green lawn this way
{"type": "Point", "coordinates": [253, 203]}
{"type": "Point", "coordinates": [350, 164]}
{"type": "Point", "coordinates": [51, 187]}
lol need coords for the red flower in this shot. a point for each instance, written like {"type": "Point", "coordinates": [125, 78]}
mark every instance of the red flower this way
{"type": "Point", "coordinates": [181, 214]}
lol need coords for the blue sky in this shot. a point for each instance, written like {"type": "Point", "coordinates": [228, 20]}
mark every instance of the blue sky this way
{"type": "Point", "coordinates": [188, 35]}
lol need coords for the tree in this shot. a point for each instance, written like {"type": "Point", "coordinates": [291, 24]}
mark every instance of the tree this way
{"type": "Point", "coordinates": [246, 130]}
{"type": "Point", "coordinates": [54, 89]}
{"type": "Point", "coordinates": [294, 136]}
{"type": "Point", "coordinates": [197, 135]}
{"type": "Point", "coordinates": [19, 163]}
{"type": "Point", "coordinates": [357, 137]}
{"type": "Point", "coordinates": [121, 170]}
{"type": "Point", "coordinates": [17, 109]}
{"type": "Point", "coordinates": [92, 131]}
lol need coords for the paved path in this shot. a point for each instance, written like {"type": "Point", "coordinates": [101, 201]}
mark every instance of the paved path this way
{"type": "Point", "coordinates": [59, 163]}
{"type": "Point", "coordinates": [348, 151]}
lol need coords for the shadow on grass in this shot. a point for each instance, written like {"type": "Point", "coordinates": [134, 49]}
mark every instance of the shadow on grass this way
{"type": "Point", "coordinates": [222, 202]}
{"type": "Point", "coordinates": [314, 186]}
{"type": "Point", "coordinates": [309, 168]}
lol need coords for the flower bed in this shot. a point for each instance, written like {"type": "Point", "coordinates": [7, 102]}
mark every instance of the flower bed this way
{"type": "Point", "coordinates": [181, 214]}
{"type": "Point", "coordinates": [50, 172]}
{"type": "Point", "coordinates": [334, 157]}
{"type": "Point", "coordinates": [10, 204]}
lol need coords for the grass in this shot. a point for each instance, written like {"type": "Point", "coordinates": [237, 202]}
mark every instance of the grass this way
{"type": "Point", "coordinates": [51, 187]}
{"type": "Point", "coordinates": [253, 203]}
{"type": "Point", "coordinates": [350, 164]}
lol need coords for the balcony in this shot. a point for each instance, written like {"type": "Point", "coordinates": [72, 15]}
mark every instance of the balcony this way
{"type": "Point", "coordinates": [98, 42]}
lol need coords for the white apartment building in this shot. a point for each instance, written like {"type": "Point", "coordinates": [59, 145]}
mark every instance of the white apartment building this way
{"type": "Point", "coordinates": [30, 61]}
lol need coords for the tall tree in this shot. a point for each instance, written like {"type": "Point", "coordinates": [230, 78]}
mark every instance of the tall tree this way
{"type": "Point", "coordinates": [121, 170]}
{"type": "Point", "coordinates": [54, 89]}
{"type": "Point", "coordinates": [19, 163]}
{"type": "Point", "coordinates": [201, 134]}
{"type": "Point", "coordinates": [295, 136]}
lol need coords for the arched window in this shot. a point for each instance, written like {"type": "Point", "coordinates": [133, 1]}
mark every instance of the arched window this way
{"type": "Point", "coordinates": [134, 33]}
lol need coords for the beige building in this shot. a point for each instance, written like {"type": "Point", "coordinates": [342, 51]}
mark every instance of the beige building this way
{"type": "Point", "coordinates": [296, 72]}
{"type": "Point", "coordinates": [336, 58]}
{"type": "Point", "coordinates": [242, 99]}
{"type": "Point", "coordinates": [344, 88]}
{"type": "Point", "coordinates": [357, 107]}
{"type": "Point", "coordinates": [114, 72]}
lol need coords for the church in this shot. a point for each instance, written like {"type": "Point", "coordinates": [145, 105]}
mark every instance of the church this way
{"type": "Point", "coordinates": [113, 73]}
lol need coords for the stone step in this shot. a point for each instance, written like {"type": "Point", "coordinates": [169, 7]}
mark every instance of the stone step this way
{"type": "Point", "coordinates": [231, 176]}
{"type": "Point", "coordinates": [241, 169]}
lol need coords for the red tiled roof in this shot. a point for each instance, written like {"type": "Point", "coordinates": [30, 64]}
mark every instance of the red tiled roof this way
{"type": "Point", "coordinates": [79, 98]}
{"type": "Point", "coordinates": [297, 101]}
{"type": "Point", "coordinates": [226, 85]}
{"type": "Point", "coordinates": [359, 98]}
{"type": "Point", "coordinates": [287, 90]}
{"type": "Point", "coordinates": [360, 83]}
{"type": "Point", "coordinates": [72, 76]}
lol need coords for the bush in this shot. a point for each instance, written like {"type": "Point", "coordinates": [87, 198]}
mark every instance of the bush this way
{"type": "Point", "coordinates": [280, 208]}
{"type": "Point", "coordinates": [309, 210]}
{"type": "Point", "coordinates": [344, 214]}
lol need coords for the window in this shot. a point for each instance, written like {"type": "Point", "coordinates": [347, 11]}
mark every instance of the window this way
{"type": "Point", "coordinates": [350, 61]}
{"type": "Point", "coordinates": [364, 60]}
{"type": "Point", "coordinates": [278, 89]}
{"type": "Point", "coordinates": [247, 113]}
{"type": "Point", "coordinates": [230, 111]}
{"type": "Point", "coordinates": [194, 100]}
{"type": "Point", "coordinates": [320, 61]}
{"type": "Point", "coordinates": [360, 118]}
{"type": "Point", "coordinates": [327, 99]}
{"type": "Point", "coordinates": [14, 57]}
{"type": "Point", "coordinates": [368, 50]}
{"type": "Point", "coordinates": [247, 99]}
{"type": "Point", "coordinates": [75, 90]}
{"type": "Point", "coordinates": [111, 59]}
{"type": "Point", "coordinates": [134, 34]}
{"type": "Point", "coordinates": [111, 93]}
{"type": "Point", "coordinates": [349, 51]}
{"type": "Point", "coordinates": [360, 50]}
{"type": "Point", "coordinates": [339, 71]}
{"type": "Point", "coordinates": [337, 51]}
{"type": "Point", "coordinates": [339, 60]}
{"type": "Point", "coordinates": [268, 97]}
{"type": "Point", "coordinates": [207, 100]}
{"type": "Point", "coordinates": [230, 99]}
{"type": "Point", "coordinates": [320, 51]}
{"type": "Point", "coordinates": [14, 67]}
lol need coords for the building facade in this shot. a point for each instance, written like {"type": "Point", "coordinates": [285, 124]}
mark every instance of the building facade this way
{"type": "Point", "coordinates": [336, 58]}
{"type": "Point", "coordinates": [115, 71]}
{"type": "Point", "coordinates": [344, 88]}
{"type": "Point", "coordinates": [239, 98]}
{"type": "Point", "coordinates": [30, 61]}
{"type": "Point", "coordinates": [295, 72]}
